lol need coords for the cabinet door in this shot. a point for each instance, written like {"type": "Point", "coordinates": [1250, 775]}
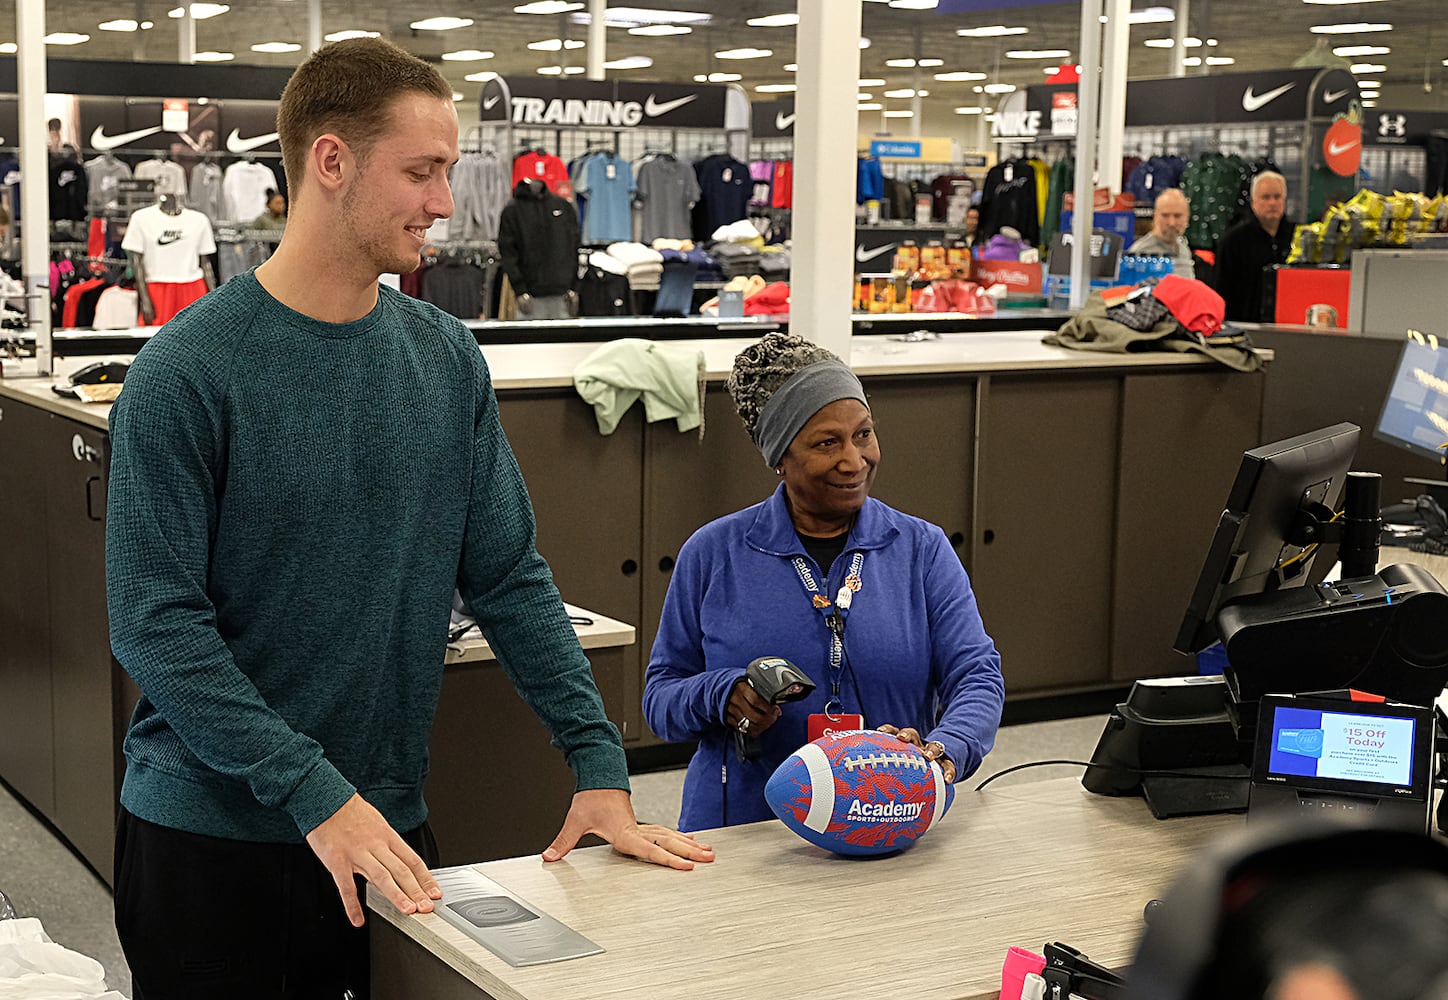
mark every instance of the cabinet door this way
{"type": "Point", "coordinates": [1042, 560]}
{"type": "Point", "coordinates": [927, 450]}
{"type": "Point", "coordinates": [26, 748]}
{"type": "Point", "coordinates": [689, 482]}
{"type": "Point", "coordinates": [1183, 434]}
{"type": "Point", "coordinates": [82, 672]}
{"type": "Point", "coordinates": [585, 489]}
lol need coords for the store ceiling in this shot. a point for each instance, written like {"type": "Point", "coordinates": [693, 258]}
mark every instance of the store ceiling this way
{"type": "Point", "coordinates": [1257, 34]}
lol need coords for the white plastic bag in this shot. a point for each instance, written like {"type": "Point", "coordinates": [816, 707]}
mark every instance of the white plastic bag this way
{"type": "Point", "coordinates": [33, 967]}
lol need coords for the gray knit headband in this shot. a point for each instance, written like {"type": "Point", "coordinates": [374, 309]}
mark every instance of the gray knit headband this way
{"type": "Point", "coordinates": [803, 394]}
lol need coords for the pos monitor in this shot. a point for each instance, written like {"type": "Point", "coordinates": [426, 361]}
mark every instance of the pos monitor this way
{"type": "Point", "coordinates": [1415, 413]}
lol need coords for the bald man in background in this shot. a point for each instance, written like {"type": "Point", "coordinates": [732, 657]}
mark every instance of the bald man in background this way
{"type": "Point", "coordinates": [1169, 222]}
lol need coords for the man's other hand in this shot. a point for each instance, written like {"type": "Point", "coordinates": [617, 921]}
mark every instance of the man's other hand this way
{"type": "Point", "coordinates": [608, 812]}
{"type": "Point", "coordinates": [356, 840]}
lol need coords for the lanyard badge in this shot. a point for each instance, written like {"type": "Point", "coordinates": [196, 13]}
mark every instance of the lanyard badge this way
{"type": "Point", "coordinates": [835, 614]}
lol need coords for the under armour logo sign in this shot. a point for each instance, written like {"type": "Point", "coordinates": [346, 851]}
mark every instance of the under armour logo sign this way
{"type": "Point", "coordinates": [1393, 125]}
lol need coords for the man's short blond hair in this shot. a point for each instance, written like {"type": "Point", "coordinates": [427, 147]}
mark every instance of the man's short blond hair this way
{"type": "Point", "coordinates": [1268, 175]}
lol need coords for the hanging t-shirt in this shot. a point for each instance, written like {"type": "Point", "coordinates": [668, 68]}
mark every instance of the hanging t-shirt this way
{"type": "Point", "coordinates": [104, 175]}
{"type": "Point", "coordinates": [206, 192]}
{"type": "Point", "coordinates": [607, 182]}
{"type": "Point", "coordinates": [544, 167]}
{"type": "Point", "coordinates": [244, 187]}
{"type": "Point", "coordinates": [68, 188]}
{"type": "Point", "coordinates": [666, 188]}
{"type": "Point", "coordinates": [725, 187]}
{"type": "Point", "coordinates": [172, 244]}
{"type": "Point", "coordinates": [783, 194]}
{"type": "Point", "coordinates": [168, 177]}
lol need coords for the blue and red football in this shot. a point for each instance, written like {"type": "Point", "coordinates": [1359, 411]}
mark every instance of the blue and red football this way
{"type": "Point", "coordinates": [859, 792]}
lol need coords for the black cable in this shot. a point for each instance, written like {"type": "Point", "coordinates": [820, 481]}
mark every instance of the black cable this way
{"type": "Point", "coordinates": [1110, 767]}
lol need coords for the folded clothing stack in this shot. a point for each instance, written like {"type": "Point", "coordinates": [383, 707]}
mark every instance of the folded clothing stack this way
{"type": "Point", "coordinates": [774, 263]}
{"type": "Point", "coordinates": [645, 265]}
{"type": "Point", "coordinates": [736, 259]}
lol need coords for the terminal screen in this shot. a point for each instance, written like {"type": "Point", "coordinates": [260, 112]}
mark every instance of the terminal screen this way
{"type": "Point", "coordinates": [1415, 413]}
{"type": "Point", "coordinates": [1344, 746]}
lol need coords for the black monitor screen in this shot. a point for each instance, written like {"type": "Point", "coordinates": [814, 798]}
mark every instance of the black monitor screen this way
{"type": "Point", "coordinates": [1251, 552]}
{"type": "Point", "coordinates": [1415, 414]}
{"type": "Point", "coordinates": [1345, 746]}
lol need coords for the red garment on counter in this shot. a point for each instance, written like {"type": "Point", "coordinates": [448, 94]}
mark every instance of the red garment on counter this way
{"type": "Point", "coordinates": [771, 300]}
{"type": "Point", "coordinates": [953, 295]}
{"type": "Point", "coordinates": [1195, 304]}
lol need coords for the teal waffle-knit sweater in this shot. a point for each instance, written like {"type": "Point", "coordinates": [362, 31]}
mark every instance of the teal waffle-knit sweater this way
{"type": "Point", "coordinates": [292, 504]}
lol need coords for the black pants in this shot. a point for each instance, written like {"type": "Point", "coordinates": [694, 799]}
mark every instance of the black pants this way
{"type": "Point", "coordinates": [207, 917]}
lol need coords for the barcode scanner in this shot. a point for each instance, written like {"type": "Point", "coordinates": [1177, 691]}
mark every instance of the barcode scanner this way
{"type": "Point", "coordinates": [777, 681]}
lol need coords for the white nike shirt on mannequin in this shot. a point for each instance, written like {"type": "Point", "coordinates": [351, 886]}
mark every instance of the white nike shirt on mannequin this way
{"type": "Point", "coordinates": [172, 244]}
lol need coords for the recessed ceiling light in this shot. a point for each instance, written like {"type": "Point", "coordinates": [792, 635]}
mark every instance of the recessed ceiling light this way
{"type": "Point", "coordinates": [776, 88]}
{"type": "Point", "coordinates": [211, 55]}
{"type": "Point", "coordinates": [1370, 104]}
{"type": "Point", "coordinates": [547, 7]}
{"type": "Point", "coordinates": [999, 88]}
{"type": "Point", "coordinates": [993, 31]}
{"type": "Point", "coordinates": [907, 92]}
{"type": "Point", "coordinates": [1038, 53]}
{"type": "Point", "coordinates": [1352, 28]}
{"type": "Point", "coordinates": [1336, 3]}
{"type": "Point", "coordinates": [555, 44]}
{"type": "Point", "coordinates": [1361, 50]}
{"type": "Point", "coordinates": [342, 36]}
{"type": "Point", "coordinates": [903, 113]}
{"type": "Point", "coordinates": [1370, 83]}
{"type": "Point", "coordinates": [120, 24]}
{"type": "Point", "coordinates": [744, 53]}
{"type": "Point", "coordinates": [66, 38]}
{"type": "Point", "coordinates": [862, 96]}
{"type": "Point", "coordinates": [440, 23]}
{"type": "Point", "coordinates": [717, 78]}
{"type": "Point", "coordinates": [467, 55]}
{"type": "Point", "coordinates": [900, 63]}
{"type": "Point", "coordinates": [8, 48]}
{"type": "Point", "coordinates": [791, 67]}
{"type": "Point", "coordinates": [773, 21]}
{"type": "Point", "coordinates": [914, 4]}
{"type": "Point", "coordinates": [1370, 93]}
{"type": "Point", "coordinates": [974, 109]}
{"type": "Point", "coordinates": [871, 107]}
{"type": "Point", "coordinates": [1220, 60]}
{"type": "Point", "coordinates": [200, 11]}
{"type": "Point", "coordinates": [1372, 67]}
{"type": "Point", "coordinates": [628, 17]}
{"type": "Point", "coordinates": [660, 29]}
{"type": "Point", "coordinates": [629, 62]}
{"type": "Point", "coordinates": [873, 81]}
{"type": "Point", "coordinates": [481, 77]}
{"type": "Point", "coordinates": [1151, 15]}
{"type": "Point", "coordinates": [457, 96]}
{"type": "Point", "coordinates": [147, 25]}
{"type": "Point", "coordinates": [959, 76]}
{"type": "Point", "coordinates": [276, 47]}
{"type": "Point", "coordinates": [864, 42]}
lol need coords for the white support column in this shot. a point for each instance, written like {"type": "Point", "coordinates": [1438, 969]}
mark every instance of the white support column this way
{"type": "Point", "coordinates": [596, 43]}
{"type": "Point", "coordinates": [917, 106]}
{"type": "Point", "coordinates": [1087, 93]}
{"type": "Point", "coordinates": [34, 191]}
{"type": "Point", "coordinates": [1117, 32]}
{"type": "Point", "coordinates": [1179, 38]}
{"type": "Point", "coordinates": [314, 25]}
{"type": "Point", "coordinates": [827, 48]}
{"type": "Point", "coordinates": [186, 41]}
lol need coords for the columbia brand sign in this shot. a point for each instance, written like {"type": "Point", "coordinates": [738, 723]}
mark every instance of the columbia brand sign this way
{"type": "Point", "coordinates": [601, 103]}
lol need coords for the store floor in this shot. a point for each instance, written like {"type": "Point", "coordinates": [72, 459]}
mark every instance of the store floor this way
{"type": "Point", "coordinates": [43, 879]}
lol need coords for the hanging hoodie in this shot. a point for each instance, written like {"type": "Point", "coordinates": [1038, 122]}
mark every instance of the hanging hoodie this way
{"type": "Point", "coordinates": [538, 241]}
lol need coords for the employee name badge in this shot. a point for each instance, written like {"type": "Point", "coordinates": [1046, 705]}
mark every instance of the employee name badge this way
{"type": "Point", "coordinates": [823, 724]}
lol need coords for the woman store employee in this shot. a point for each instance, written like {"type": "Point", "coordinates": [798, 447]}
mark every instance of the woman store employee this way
{"type": "Point", "coordinates": [871, 603]}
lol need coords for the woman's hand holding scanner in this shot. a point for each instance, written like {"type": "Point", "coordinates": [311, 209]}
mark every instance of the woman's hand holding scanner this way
{"type": "Point", "coordinates": [356, 840]}
{"type": "Point", "coordinates": [932, 750]}
{"type": "Point", "coordinates": [608, 812]}
{"type": "Point", "coordinates": [753, 706]}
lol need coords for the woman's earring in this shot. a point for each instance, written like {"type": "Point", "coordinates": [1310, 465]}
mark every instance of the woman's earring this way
{"type": "Point", "coordinates": [779, 470]}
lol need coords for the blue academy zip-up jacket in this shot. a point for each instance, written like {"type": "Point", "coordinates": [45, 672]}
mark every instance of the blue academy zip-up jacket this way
{"type": "Point", "coordinates": [916, 651]}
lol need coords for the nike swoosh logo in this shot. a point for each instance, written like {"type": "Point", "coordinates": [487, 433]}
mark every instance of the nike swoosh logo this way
{"type": "Point", "coordinates": [103, 142]}
{"type": "Point", "coordinates": [653, 110]}
{"type": "Point", "coordinates": [783, 121]}
{"type": "Point", "coordinates": [862, 255]}
{"type": "Point", "coordinates": [236, 144]}
{"type": "Point", "coordinates": [1330, 96]}
{"type": "Point", "coordinates": [488, 104]}
{"type": "Point", "coordinates": [1251, 101]}
{"type": "Point", "coordinates": [1333, 149]}
{"type": "Point", "coordinates": [168, 238]}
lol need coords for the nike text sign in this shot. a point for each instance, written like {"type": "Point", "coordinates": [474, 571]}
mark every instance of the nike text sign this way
{"type": "Point", "coordinates": [532, 101]}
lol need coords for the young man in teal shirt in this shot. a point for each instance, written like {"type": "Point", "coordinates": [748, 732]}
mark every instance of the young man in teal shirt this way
{"type": "Point", "coordinates": [305, 466]}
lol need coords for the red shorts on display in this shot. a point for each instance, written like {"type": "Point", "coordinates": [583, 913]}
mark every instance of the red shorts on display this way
{"type": "Point", "coordinates": [170, 297]}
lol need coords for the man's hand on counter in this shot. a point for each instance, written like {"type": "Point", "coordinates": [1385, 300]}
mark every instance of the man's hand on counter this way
{"type": "Point", "coordinates": [608, 812]}
{"type": "Point", "coordinates": [356, 840]}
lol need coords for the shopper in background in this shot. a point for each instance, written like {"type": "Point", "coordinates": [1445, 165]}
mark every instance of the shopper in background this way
{"type": "Point", "coordinates": [907, 648]}
{"type": "Point", "coordinates": [275, 216]}
{"type": "Point", "coordinates": [303, 473]}
{"type": "Point", "coordinates": [972, 223]}
{"type": "Point", "coordinates": [1170, 215]}
{"type": "Point", "coordinates": [1245, 250]}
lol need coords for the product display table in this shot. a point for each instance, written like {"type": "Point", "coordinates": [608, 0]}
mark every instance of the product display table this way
{"type": "Point", "coordinates": [1015, 864]}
